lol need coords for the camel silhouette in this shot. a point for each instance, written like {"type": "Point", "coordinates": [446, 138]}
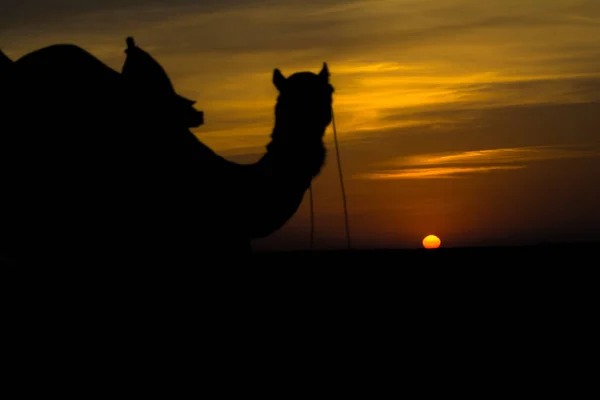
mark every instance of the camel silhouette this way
{"type": "Point", "coordinates": [101, 165]}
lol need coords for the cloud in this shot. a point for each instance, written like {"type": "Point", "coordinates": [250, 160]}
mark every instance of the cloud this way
{"type": "Point", "coordinates": [459, 164]}
{"type": "Point", "coordinates": [495, 156]}
{"type": "Point", "coordinates": [433, 173]}
{"type": "Point", "coordinates": [446, 100]}
{"type": "Point", "coordinates": [52, 13]}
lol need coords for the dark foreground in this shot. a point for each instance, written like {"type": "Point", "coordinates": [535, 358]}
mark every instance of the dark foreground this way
{"type": "Point", "coordinates": [576, 254]}
{"type": "Point", "coordinates": [491, 297]}
{"type": "Point", "coordinates": [552, 256]}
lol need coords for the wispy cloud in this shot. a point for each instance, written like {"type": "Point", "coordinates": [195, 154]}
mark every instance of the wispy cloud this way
{"type": "Point", "coordinates": [433, 173]}
{"type": "Point", "coordinates": [459, 164]}
{"type": "Point", "coordinates": [498, 156]}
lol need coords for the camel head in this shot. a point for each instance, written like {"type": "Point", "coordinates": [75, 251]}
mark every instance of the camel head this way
{"type": "Point", "coordinates": [304, 103]}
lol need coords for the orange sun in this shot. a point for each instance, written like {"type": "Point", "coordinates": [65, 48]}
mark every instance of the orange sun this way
{"type": "Point", "coordinates": [432, 242]}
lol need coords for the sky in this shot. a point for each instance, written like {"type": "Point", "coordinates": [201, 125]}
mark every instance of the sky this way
{"type": "Point", "coordinates": [474, 120]}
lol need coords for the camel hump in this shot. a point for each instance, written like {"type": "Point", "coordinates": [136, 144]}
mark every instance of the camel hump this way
{"type": "Point", "coordinates": [58, 55]}
{"type": "Point", "coordinates": [67, 52]}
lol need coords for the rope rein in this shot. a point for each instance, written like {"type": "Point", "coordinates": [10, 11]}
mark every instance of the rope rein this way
{"type": "Point", "coordinates": [312, 207]}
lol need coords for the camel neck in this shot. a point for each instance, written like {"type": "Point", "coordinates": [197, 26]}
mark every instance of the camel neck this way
{"type": "Point", "coordinates": [301, 160]}
{"type": "Point", "coordinates": [290, 142]}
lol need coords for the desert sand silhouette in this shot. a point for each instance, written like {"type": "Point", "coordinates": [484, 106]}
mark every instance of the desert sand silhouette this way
{"type": "Point", "coordinates": [101, 165]}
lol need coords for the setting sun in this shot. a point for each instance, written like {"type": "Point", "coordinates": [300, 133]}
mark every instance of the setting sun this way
{"type": "Point", "coordinates": [432, 242]}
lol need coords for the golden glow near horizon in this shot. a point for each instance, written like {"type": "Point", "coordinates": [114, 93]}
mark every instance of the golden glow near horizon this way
{"type": "Point", "coordinates": [479, 108]}
{"type": "Point", "coordinates": [431, 242]}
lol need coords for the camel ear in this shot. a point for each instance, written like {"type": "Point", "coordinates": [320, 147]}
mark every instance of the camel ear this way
{"type": "Point", "coordinates": [278, 79]}
{"type": "Point", "coordinates": [324, 72]}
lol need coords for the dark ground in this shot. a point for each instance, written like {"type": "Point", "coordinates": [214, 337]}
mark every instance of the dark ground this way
{"type": "Point", "coordinates": [562, 269]}
{"type": "Point", "coordinates": [579, 255]}
{"type": "Point", "coordinates": [573, 254]}
{"type": "Point", "coordinates": [472, 320]}
{"type": "Point", "coordinates": [559, 268]}
{"type": "Point", "coordinates": [490, 300]}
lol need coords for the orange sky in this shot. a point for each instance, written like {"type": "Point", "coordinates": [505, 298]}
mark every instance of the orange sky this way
{"type": "Point", "coordinates": [477, 121]}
